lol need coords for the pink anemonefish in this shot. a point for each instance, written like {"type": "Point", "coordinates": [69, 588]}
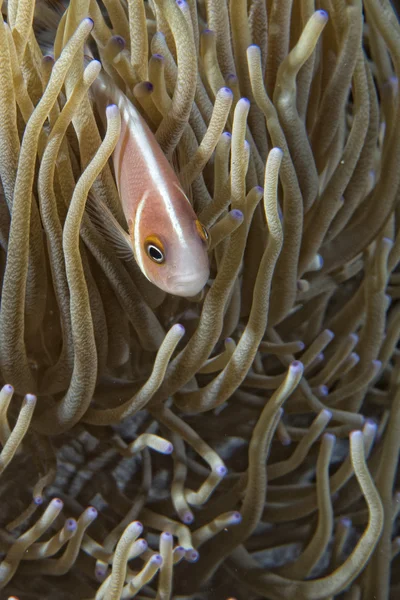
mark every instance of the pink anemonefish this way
{"type": "Point", "coordinates": [167, 240]}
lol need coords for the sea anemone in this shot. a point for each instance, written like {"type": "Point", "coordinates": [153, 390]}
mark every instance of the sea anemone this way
{"type": "Point", "coordinates": [243, 442]}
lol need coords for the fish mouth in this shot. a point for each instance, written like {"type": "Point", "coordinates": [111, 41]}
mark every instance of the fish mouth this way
{"type": "Point", "coordinates": [190, 285]}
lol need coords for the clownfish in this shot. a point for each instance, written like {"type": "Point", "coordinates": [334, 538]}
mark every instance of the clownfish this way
{"type": "Point", "coordinates": [167, 240]}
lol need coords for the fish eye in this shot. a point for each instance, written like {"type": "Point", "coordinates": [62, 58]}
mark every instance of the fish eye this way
{"type": "Point", "coordinates": [155, 250]}
{"type": "Point", "coordinates": [202, 231]}
{"type": "Point", "coordinates": [155, 254]}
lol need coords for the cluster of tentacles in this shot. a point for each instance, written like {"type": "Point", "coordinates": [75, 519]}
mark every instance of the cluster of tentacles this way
{"type": "Point", "coordinates": [243, 442]}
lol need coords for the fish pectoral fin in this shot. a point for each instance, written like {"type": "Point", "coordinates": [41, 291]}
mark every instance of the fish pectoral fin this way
{"type": "Point", "coordinates": [105, 222]}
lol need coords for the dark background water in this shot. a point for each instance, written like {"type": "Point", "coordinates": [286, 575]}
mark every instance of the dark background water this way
{"type": "Point", "coordinates": [396, 6]}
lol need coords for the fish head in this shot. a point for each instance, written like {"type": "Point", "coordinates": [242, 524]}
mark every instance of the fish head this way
{"type": "Point", "coordinates": [171, 247]}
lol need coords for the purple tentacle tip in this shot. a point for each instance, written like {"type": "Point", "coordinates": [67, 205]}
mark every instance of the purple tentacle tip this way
{"type": "Point", "coordinates": [371, 425]}
{"type": "Point", "coordinates": [236, 214]}
{"type": "Point", "coordinates": [70, 524]}
{"type": "Point", "coordinates": [118, 39]}
{"type": "Point", "coordinates": [156, 559]}
{"type": "Point", "coordinates": [188, 518]}
{"type": "Point", "coordinates": [346, 522]}
{"type": "Point", "coordinates": [111, 109]}
{"type": "Point", "coordinates": [144, 545]}
{"type": "Point", "coordinates": [236, 518]}
{"type": "Point", "coordinates": [38, 500]}
{"type": "Point", "coordinates": [100, 573]}
{"type": "Point", "coordinates": [296, 365]}
{"type": "Point", "coordinates": [286, 441]}
{"type": "Point", "coordinates": [192, 555]}
{"type": "Point", "coordinates": [137, 525]}
{"type": "Point", "coordinates": [221, 470]}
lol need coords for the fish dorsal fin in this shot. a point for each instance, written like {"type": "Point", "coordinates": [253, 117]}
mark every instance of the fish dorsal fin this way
{"type": "Point", "coordinates": [108, 226]}
{"type": "Point", "coordinates": [178, 162]}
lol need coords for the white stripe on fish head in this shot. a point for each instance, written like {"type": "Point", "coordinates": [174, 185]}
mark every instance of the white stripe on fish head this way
{"type": "Point", "coordinates": [136, 233]}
